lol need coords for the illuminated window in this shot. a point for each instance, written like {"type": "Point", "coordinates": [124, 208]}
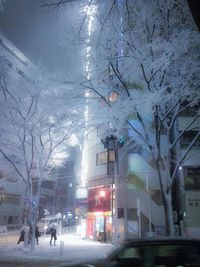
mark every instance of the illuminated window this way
{"type": "Point", "coordinates": [111, 155]}
{"type": "Point", "coordinates": [192, 178]}
{"type": "Point", "coordinates": [101, 158]}
{"type": "Point", "coordinates": [113, 96]}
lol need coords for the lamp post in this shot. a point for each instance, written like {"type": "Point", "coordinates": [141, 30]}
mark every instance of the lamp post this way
{"type": "Point", "coordinates": [139, 217]}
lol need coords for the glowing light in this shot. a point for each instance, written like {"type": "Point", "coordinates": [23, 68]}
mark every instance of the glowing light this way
{"type": "Point", "coordinates": [51, 119]}
{"type": "Point", "coordinates": [102, 193]}
{"type": "Point", "coordinates": [73, 141]}
{"type": "Point", "coordinates": [90, 11]}
{"type": "Point", "coordinates": [88, 51]}
{"type": "Point", "coordinates": [87, 68]}
{"type": "Point", "coordinates": [84, 164]}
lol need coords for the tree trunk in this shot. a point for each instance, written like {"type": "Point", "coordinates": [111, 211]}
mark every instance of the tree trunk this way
{"type": "Point", "coordinates": [168, 214]}
{"type": "Point", "coordinates": [167, 203]}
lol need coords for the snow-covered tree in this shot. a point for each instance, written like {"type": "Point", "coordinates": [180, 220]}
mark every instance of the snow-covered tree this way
{"type": "Point", "coordinates": [145, 71]}
{"type": "Point", "coordinates": [153, 59]}
{"type": "Point", "coordinates": [37, 120]}
{"type": "Point", "coordinates": [143, 61]}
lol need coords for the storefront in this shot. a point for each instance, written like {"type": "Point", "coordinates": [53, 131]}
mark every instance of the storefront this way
{"type": "Point", "coordinates": [99, 215]}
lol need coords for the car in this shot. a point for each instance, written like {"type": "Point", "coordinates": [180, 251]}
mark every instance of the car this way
{"type": "Point", "coordinates": [148, 252]}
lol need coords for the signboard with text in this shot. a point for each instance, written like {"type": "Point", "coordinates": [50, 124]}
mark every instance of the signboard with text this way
{"type": "Point", "coordinates": [99, 199]}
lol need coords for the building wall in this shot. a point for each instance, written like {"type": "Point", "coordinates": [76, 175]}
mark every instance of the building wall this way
{"type": "Point", "coordinates": [138, 182]}
{"type": "Point", "coordinates": [12, 193]}
{"type": "Point", "coordinates": [134, 174]}
{"type": "Point", "coordinates": [96, 168]}
{"type": "Point", "coordinates": [191, 172]}
{"type": "Point", "coordinates": [11, 202]}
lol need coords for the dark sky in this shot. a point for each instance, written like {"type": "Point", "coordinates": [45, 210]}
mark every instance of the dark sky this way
{"type": "Point", "coordinates": [36, 32]}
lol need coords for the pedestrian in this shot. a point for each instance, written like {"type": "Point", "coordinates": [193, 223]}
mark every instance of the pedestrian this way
{"type": "Point", "coordinates": [37, 234]}
{"type": "Point", "coordinates": [21, 237]}
{"type": "Point", "coordinates": [53, 234]}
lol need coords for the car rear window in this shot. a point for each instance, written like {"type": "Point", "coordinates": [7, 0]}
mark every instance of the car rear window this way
{"type": "Point", "coordinates": [162, 255]}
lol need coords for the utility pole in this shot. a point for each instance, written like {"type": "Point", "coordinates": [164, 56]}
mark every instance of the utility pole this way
{"type": "Point", "coordinates": [139, 217]}
{"type": "Point", "coordinates": [116, 188]}
{"type": "Point", "coordinates": [149, 201]}
{"type": "Point", "coordinates": [111, 143]}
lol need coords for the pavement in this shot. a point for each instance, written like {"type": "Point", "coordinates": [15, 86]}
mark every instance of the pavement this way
{"type": "Point", "coordinates": [69, 248]}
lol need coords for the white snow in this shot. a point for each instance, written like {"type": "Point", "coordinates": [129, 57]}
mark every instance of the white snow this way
{"type": "Point", "coordinates": [69, 248]}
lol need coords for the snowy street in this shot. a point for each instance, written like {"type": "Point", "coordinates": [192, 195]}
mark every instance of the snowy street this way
{"type": "Point", "coordinates": [99, 133]}
{"type": "Point", "coordinates": [69, 248]}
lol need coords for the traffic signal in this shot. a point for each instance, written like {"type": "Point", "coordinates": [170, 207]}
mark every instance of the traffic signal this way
{"type": "Point", "coordinates": [121, 142]}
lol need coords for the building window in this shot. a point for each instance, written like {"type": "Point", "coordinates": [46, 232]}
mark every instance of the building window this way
{"type": "Point", "coordinates": [101, 158]}
{"type": "Point", "coordinates": [188, 137]}
{"type": "Point", "coordinates": [190, 112]}
{"type": "Point", "coordinates": [113, 96]}
{"type": "Point", "coordinates": [192, 178]}
{"type": "Point", "coordinates": [104, 157]}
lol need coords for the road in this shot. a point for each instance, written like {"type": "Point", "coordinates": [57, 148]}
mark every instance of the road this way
{"type": "Point", "coordinates": [70, 248]}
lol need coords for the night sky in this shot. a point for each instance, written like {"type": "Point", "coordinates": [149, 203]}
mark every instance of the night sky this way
{"type": "Point", "coordinates": [36, 32]}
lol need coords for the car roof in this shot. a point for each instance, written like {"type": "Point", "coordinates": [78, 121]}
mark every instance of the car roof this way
{"type": "Point", "coordinates": [160, 240]}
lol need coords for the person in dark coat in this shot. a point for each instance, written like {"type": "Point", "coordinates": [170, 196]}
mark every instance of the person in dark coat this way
{"type": "Point", "coordinates": [53, 234]}
{"type": "Point", "coordinates": [21, 238]}
{"type": "Point", "coordinates": [37, 234]}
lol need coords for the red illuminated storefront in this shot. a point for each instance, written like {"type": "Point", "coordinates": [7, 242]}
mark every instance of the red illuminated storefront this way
{"type": "Point", "coordinates": [99, 216]}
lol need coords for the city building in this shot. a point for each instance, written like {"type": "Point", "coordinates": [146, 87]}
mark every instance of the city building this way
{"type": "Point", "coordinates": [137, 210]}
{"type": "Point", "coordinates": [190, 170]}
{"type": "Point", "coordinates": [11, 190]}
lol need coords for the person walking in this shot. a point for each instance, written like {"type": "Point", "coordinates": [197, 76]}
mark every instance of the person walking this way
{"type": "Point", "coordinates": [53, 234]}
{"type": "Point", "coordinates": [37, 234]}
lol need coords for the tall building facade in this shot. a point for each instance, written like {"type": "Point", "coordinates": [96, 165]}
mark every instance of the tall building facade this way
{"type": "Point", "coordinates": [12, 200]}
{"type": "Point", "coordinates": [190, 170]}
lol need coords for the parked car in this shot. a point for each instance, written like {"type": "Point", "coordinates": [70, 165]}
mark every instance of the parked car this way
{"type": "Point", "coordinates": [166, 252]}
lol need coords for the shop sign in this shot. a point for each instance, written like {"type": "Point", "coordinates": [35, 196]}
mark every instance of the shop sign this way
{"type": "Point", "coordinates": [99, 199]}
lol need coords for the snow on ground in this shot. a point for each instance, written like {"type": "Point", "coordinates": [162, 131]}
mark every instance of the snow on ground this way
{"type": "Point", "coordinates": [69, 248]}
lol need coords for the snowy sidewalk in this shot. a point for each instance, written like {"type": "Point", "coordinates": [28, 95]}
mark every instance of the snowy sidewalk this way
{"type": "Point", "coordinates": [69, 248]}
